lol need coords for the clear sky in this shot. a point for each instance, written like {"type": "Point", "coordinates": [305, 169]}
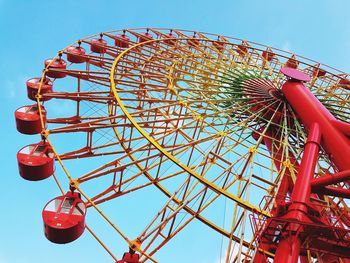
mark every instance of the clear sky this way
{"type": "Point", "coordinates": [32, 31]}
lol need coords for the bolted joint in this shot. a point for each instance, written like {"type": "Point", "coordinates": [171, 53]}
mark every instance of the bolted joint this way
{"type": "Point", "coordinates": [135, 244]}
{"type": "Point", "coordinates": [73, 184]}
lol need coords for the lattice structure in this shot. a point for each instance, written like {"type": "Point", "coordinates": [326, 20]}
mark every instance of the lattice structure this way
{"type": "Point", "coordinates": [199, 118]}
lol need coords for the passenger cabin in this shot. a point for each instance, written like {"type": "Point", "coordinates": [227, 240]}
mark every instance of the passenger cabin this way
{"type": "Point", "coordinates": [318, 72]}
{"type": "Point", "coordinates": [36, 161]}
{"type": "Point", "coordinates": [28, 119]}
{"type": "Point", "coordinates": [33, 88]}
{"type": "Point", "coordinates": [64, 218]}
{"type": "Point", "coordinates": [122, 41]}
{"type": "Point", "coordinates": [292, 62]}
{"type": "Point", "coordinates": [98, 45]}
{"type": "Point", "coordinates": [242, 50]}
{"type": "Point", "coordinates": [55, 68]}
{"type": "Point", "coordinates": [130, 258]}
{"type": "Point", "coordinates": [268, 55]}
{"type": "Point", "coordinates": [170, 39]}
{"type": "Point", "coordinates": [145, 37]}
{"type": "Point", "coordinates": [344, 83]}
{"type": "Point", "coordinates": [193, 41]}
{"type": "Point", "coordinates": [76, 54]}
{"type": "Point", "coordinates": [219, 45]}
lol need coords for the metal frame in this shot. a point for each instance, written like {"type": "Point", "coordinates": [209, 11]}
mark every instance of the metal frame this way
{"type": "Point", "coordinates": [159, 110]}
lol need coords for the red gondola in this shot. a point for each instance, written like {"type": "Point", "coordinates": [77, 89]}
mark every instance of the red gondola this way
{"type": "Point", "coordinates": [129, 258]}
{"type": "Point", "coordinates": [28, 119]}
{"type": "Point", "coordinates": [193, 41]}
{"type": "Point", "coordinates": [219, 45]}
{"type": "Point", "coordinates": [98, 45]}
{"type": "Point", "coordinates": [33, 88]}
{"type": "Point", "coordinates": [76, 54]}
{"type": "Point", "coordinates": [318, 72]}
{"type": "Point", "coordinates": [36, 161]}
{"type": "Point", "coordinates": [268, 55]}
{"type": "Point", "coordinates": [242, 50]}
{"type": "Point", "coordinates": [344, 83]}
{"type": "Point", "coordinates": [292, 62]}
{"type": "Point", "coordinates": [122, 41]}
{"type": "Point", "coordinates": [170, 38]}
{"type": "Point", "coordinates": [55, 66]}
{"type": "Point", "coordinates": [145, 37]}
{"type": "Point", "coordinates": [64, 218]}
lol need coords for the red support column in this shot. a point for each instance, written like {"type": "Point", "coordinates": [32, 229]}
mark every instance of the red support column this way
{"type": "Point", "coordinates": [276, 151]}
{"type": "Point", "coordinates": [296, 222]}
{"type": "Point", "coordinates": [330, 179]}
{"type": "Point", "coordinates": [302, 187]}
{"type": "Point", "coordinates": [288, 249]}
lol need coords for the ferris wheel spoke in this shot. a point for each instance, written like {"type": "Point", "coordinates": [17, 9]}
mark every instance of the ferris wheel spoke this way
{"type": "Point", "coordinates": [101, 171]}
{"type": "Point", "coordinates": [137, 57]}
{"type": "Point", "coordinates": [141, 71]}
{"type": "Point", "coordinates": [167, 223]}
{"type": "Point", "coordinates": [86, 124]}
{"type": "Point", "coordinates": [142, 149]}
{"type": "Point", "coordinates": [89, 152]}
{"type": "Point", "coordinates": [79, 96]}
{"type": "Point", "coordinates": [163, 243]}
{"type": "Point", "coordinates": [170, 219]}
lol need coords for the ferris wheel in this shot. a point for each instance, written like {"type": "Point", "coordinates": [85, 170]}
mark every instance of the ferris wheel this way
{"type": "Point", "coordinates": [249, 141]}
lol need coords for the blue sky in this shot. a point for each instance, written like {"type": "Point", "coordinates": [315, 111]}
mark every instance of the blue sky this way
{"type": "Point", "coordinates": [32, 31]}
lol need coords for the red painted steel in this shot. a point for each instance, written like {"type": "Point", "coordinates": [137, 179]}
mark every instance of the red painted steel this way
{"type": "Point", "coordinates": [310, 110]}
{"type": "Point", "coordinates": [318, 72]}
{"type": "Point", "coordinates": [28, 119]}
{"type": "Point", "coordinates": [33, 88]}
{"type": "Point", "coordinates": [36, 161]}
{"type": "Point", "coordinates": [64, 218]}
{"type": "Point", "coordinates": [302, 188]}
{"type": "Point", "coordinates": [330, 179]}
{"type": "Point", "coordinates": [334, 191]}
{"type": "Point", "coordinates": [323, 130]}
{"type": "Point", "coordinates": [285, 188]}
{"type": "Point", "coordinates": [288, 250]}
